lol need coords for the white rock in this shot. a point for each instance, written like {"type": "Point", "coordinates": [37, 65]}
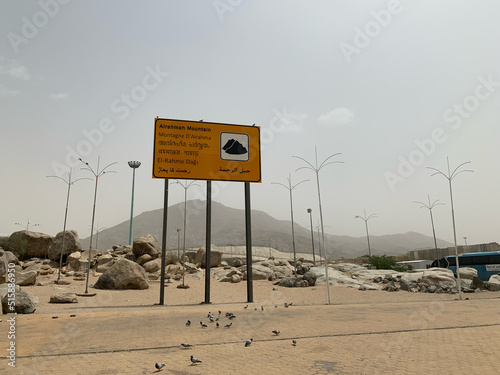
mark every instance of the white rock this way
{"type": "Point", "coordinates": [494, 283]}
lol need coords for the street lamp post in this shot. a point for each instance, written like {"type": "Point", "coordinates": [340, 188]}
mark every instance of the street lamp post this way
{"type": "Point", "coordinates": [186, 186]}
{"type": "Point", "coordinates": [365, 219]}
{"type": "Point", "coordinates": [290, 187]}
{"type": "Point", "coordinates": [309, 211]}
{"type": "Point", "coordinates": [465, 239]}
{"type": "Point", "coordinates": [97, 230]}
{"type": "Point", "coordinates": [430, 206]}
{"type": "Point", "coordinates": [134, 165]}
{"type": "Point", "coordinates": [69, 183]}
{"type": "Point", "coordinates": [98, 173]}
{"type": "Point", "coordinates": [450, 176]}
{"type": "Point", "coordinates": [27, 226]}
{"type": "Point", "coordinates": [178, 243]}
{"type": "Point", "coordinates": [315, 168]}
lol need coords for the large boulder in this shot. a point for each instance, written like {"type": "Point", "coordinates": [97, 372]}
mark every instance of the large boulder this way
{"type": "Point", "coordinates": [259, 272]}
{"type": "Point", "coordinates": [152, 266]}
{"type": "Point", "coordinates": [288, 282]}
{"type": "Point", "coordinates": [441, 277]}
{"type": "Point", "coordinates": [63, 297]}
{"type": "Point", "coordinates": [6, 288]}
{"type": "Point", "coordinates": [468, 273]}
{"type": "Point", "coordinates": [124, 274]}
{"type": "Point", "coordinates": [144, 259]}
{"type": "Point", "coordinates": [310, 277]}
{"type": "Point", "coordinates": [105, 262]}
{"type": "Point", "coordinates": [477, 283]}
{"type": "Point", "coordinates": [71, 244]}
{"type": "Point", "coordinates": [34, 244]}
{"type": "Point", "coordinates": [3, 266]}
{"type": "Point", "coordinates": [26, 278]}
{"type": "Point", "coordinates": [146, 245]}
{"type": "Point", "coordinates": [215, 257]}
{"type": "Point", "coordinates": [25, 303]}
{"type": "Point", "coordinates": [494, 283]}
{"type": "Point", "coordinates": [77, 262]}
{"type": "Point", "coordinates": [11, 258]}
{"type": "Point", "coordinates": [339, 278]}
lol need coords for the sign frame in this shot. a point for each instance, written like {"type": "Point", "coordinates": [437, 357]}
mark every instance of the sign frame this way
{"type": "Point", "coordinates": [226, 152]}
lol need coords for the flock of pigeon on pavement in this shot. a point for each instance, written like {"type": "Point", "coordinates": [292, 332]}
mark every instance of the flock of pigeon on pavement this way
{"type": "Point", "coordinates": [211, 319]}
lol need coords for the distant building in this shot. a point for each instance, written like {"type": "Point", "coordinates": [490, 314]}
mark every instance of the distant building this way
{"type": "Point", "coordinates": [432, 254]}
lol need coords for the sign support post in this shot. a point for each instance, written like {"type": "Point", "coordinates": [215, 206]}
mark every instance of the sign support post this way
{"type": "Point", "coordinates": [164, 244]}
{"type": "Point", "coordinates": [208, 241]}
{"type": "Point", "coordinates": [248, 227]}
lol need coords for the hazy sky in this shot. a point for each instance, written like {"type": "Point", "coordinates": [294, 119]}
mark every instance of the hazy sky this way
{"type": "Point", "coordinates": [394, 86]}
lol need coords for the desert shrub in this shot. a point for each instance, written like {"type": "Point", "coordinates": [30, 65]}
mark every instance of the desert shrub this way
{"type": "Point", "coordinates": [384, 262]}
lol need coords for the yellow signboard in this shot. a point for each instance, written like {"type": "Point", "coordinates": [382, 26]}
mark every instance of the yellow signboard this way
{"type": "Point", "coordinates": [206, 151]}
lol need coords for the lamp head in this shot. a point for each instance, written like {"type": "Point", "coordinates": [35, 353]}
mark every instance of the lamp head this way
{"type": "Point", "coordinates": [134, 164]}
{"type": "Point", "coordinates": [309, 210]}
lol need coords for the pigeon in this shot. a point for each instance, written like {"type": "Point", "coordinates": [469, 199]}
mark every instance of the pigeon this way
{"type": "Point", "coordinates": [290, 304]}
{"type": "Point", "coordinates": [159, 366]}
{"type": "Point", "coordinates": [188, 323]}
{"type": "Point", "coordinates": [217, 325]}
{"type": "Point", "coordinates": [195, 360]}
{"type": "Point", "coordinates": [262, 308]}
{"type": "Point", "coordinates": [185, 345]}
{"type": "Point", "coordinates": [211, 319]}
{"type": "Point", "coordinates": [231, 316]}
{"type": "Point", "coordinates": [294, 342]}
{"type": "Point", "coordinates": [286, 304]}
{"type": "Point", "coordinates": [246, 307]}
{"type": "Point", "coordinates": [209, 314]}
{"type": "Point", "coordinates": [275, 306]}
{"type": "Point", "coordinates": [220, 312]}
{"type": "Point", "coordinates": [276, 332]}
{"type": "Point", "coordinates": [203, 325]}
{"type": "Point", "coordinates": [228, 325]}
{"type": "Point", "coordinates": [248, 342]}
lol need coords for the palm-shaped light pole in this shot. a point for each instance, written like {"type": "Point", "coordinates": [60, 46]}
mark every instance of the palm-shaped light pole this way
{"type": "Point", "coordinates": [134, 165]}
{"type": "Point", "coordinates": [430, 206]}
{"type": "Point", "coordinates": [309, 211]}
{"type": "Point", "coordinates": [69, 183]}
{"type": "Point", "coordinates": [365, 219]}
{"type": "Point", "coordinates": [316, 168]}
{"type": "Point", "coordinates": [290, 187]}
{"type": "Point", "coordinates": [97, 230]}
{"type": "Point", "coordinates": [98, 173]}
{"type": "Point", "coordinates": [450, 176]}
{"type": "Point", "coordinates": [27, 226]}
{"type": "Point", "coordinates": [186, 186]}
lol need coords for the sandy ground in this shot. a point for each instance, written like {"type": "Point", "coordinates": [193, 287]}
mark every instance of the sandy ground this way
{"type": "Point", "coordinates": [264, 293]}
{"type": "Point", "coordinates": [362, 332]}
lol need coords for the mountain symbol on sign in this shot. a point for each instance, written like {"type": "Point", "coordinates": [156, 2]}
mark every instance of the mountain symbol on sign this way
{"type": "Point", "coordinates": [234, 148]}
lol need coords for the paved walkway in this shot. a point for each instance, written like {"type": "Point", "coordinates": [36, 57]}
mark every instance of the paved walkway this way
{"type": "Point", "coordinates": [439, 337]}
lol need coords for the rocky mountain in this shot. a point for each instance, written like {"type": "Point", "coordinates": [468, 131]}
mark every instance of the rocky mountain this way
{"type": "Point", "coordinates": [228, 228]}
